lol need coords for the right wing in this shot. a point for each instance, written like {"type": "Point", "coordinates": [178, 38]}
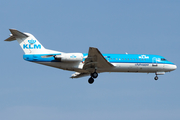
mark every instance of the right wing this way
{"type": "Point", "coordinates": [78, 75]}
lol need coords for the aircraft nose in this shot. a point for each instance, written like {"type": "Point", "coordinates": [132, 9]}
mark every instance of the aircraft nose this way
{"type": "Point", "coordinates": [170, 67]}
{"type": "Point", "coordinates": [173, 67]}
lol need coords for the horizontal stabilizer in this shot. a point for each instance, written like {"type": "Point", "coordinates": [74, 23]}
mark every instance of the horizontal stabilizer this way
{"type": "Point", "coordinates": [10, 38]}
{"type": "Point", "coordinates": [16, 34]}
{"type": "Point", "coordinates": [27, 41]}
{"type": "Point", "coordinates": [95, 60]}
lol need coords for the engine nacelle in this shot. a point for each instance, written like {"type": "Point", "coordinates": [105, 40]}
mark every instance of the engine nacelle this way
{"type": "Point", "coordinates": [69, 57]}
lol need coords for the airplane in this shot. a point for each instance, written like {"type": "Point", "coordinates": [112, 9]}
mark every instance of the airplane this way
{"type": "Point", "coordinates": [91, 63]}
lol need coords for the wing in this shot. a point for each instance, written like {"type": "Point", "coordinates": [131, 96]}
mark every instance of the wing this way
{"type": "Point", "coordinates": [95, 60]}
{"type": "Point", "coordinates": [78, 75]}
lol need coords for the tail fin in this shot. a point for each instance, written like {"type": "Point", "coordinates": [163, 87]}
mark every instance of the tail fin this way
{"type": "Point", "coordinates": [27, 41]}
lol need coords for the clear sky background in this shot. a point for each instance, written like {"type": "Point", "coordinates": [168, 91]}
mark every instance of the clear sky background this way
{"type": "Point", "coordinates": [30, 91]}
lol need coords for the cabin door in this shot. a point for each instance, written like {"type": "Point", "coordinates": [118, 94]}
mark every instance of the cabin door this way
{"type": "Point", "coordinates": [154, 61]}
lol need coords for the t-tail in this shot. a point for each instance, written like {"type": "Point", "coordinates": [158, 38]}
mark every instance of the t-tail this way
{"type": "Point", "coordinates": [27, 41]}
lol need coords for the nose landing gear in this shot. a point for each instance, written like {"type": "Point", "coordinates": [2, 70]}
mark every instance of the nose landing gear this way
{"type": "Point", "coordinates": [158, 73]}
{"type": "Point", "coordinates": [156, 77]}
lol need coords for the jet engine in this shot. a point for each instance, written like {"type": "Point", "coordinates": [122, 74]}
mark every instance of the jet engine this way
{"type": "Point", "coordinates": [69, 57]}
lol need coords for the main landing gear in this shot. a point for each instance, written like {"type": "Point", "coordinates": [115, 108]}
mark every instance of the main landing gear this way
{"type": "Point", "coordinates": [91, 80]}
{"type": "Point", "coordinates": [93, 75]}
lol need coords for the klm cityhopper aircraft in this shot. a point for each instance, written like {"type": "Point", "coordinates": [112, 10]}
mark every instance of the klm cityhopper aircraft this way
{"type": "Point", "coordinates": [90, 63]}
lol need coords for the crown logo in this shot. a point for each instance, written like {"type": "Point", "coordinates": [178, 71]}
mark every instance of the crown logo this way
{"type": "Point", "coordinates": [32, 41]}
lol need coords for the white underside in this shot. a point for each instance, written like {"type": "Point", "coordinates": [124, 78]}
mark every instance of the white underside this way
{"type": "Point", "coordinates": [118, 67]}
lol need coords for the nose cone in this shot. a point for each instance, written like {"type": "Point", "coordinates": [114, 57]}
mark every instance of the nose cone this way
{"type": "Point", "coordinates": [172, 67]}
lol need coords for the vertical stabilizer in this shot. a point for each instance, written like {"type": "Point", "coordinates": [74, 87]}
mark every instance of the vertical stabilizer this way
{"type": "Point", "coordinates": [27, 41]}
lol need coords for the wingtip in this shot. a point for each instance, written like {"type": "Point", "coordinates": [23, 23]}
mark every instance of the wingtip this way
{"type": "Point", "coordinates": [92, 47]}
{"type": "Point", "coordinates": [12, 29]}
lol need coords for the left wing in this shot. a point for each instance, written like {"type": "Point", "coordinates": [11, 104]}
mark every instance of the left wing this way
{"type": "Point", "coordinates": [95, 60]}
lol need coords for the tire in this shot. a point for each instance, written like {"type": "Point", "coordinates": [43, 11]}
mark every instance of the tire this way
{"type": "Point", "coordinates": [91, 80]}
{"type": "Point", "coordinates": [156, 78]}
{"type": "Point", "coordinates": [94, 75]}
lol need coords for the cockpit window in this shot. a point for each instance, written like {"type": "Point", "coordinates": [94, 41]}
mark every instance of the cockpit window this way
{"type": "Point", "coordinates": [163, 59]}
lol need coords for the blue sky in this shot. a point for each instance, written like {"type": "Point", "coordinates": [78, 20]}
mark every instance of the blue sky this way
{"type": "Point", "coordinates": [32, 91]}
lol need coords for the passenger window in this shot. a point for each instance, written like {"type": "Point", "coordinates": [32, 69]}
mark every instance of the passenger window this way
{"type": "Point", "coordinates": [119, 58]}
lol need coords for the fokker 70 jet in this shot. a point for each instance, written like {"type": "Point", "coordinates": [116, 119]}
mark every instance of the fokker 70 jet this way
{"type": "Point", "coordinates": [91, 63]}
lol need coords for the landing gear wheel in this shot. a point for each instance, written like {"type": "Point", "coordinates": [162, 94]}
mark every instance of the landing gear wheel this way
{"type": "Point", "coordinates": [156, 78]}
{"type": "Point", "coordinates": [94, 75]}
{"type": "Point", "coordinates": [91, 80]}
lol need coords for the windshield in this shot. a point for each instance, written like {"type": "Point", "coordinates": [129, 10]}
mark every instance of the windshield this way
{"type": "Point", "coordinates": [163, 59]}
